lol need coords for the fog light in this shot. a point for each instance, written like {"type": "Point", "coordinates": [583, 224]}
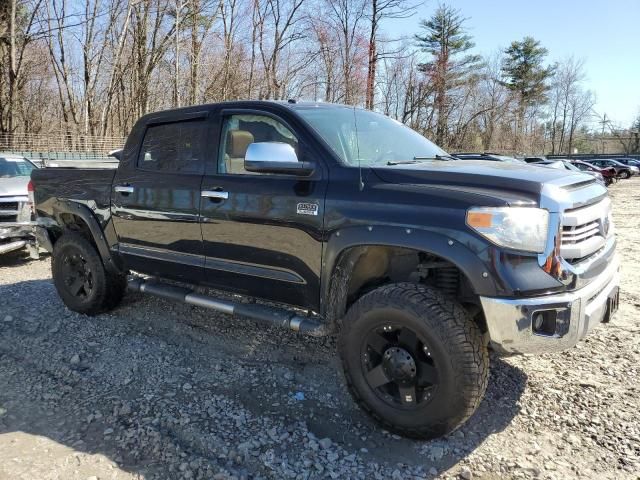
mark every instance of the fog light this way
{"type": "Point", "coordinates": [538, 320]}
{"type": "Point", "coordinates": [543, 322]}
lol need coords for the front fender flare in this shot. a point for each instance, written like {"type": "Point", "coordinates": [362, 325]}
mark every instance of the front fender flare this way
{"type": "Point", "coordinates": [336, 264]}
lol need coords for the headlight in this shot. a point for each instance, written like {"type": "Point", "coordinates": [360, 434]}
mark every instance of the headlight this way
{"type": "Point", "coordinates": [609, 228]}
{"type": "Point", "coordinates": [520, 228]}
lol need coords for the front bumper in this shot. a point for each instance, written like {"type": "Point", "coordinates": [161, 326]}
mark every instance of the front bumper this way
{"type": "Point", "coordinates": [14, 236]}
{"type": "Point", "coordinates": [511, 321]}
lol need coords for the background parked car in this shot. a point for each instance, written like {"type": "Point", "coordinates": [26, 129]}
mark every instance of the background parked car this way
{"type": "Point", "coordinates": [493, 157]}
{"type": "Point", "coordinates": [622, 170]}
{"type": "Point", "coordinates": [567, 165]}
{"type": "Point", "coordinates": [608, 173]}
{"type": "Point", "coordinates": [631, 162]}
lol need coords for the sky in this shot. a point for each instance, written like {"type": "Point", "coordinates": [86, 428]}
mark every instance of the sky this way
{"type": "Point", "coordinates": [603, 33]}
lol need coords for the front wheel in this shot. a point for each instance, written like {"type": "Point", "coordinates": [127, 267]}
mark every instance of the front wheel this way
{"type": "Point", "coordinates": [625, 174]}
{"type": "Point", "coordinates": [413, 360]}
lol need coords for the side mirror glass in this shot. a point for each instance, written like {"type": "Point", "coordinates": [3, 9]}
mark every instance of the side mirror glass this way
{"type": "Point", "coordinates": [275, 157]}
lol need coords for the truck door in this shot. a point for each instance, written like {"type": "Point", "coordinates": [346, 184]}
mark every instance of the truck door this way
{"type": "Point", "coordinates": [262, 233]}
{"type": "Point", "coordinates": [156, 199]}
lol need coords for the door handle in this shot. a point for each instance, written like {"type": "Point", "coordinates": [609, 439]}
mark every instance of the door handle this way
{"type": "Point", "coordinates": [216, 194]}
{"type": "Point", "coordinates": [126, 189]}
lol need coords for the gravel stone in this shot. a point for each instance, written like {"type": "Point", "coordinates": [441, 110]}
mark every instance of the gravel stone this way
{"type": "Point", "coordinates": [326, 443]}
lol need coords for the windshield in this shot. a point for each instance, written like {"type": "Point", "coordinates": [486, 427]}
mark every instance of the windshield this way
{"type": "Point", "coordinates": [571, 166]}
{"type": "Point", "coordinates": [363, 137]}
{"type": "Point", "coordinates": [15, 167]}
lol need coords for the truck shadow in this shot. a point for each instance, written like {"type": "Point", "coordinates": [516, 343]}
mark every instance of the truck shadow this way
{"type": "Point", "coordinates": [154, 385]}
{"type": "Point", "coordinates": [19, 258]}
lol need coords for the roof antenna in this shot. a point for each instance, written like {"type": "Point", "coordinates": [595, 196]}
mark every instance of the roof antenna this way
{"type": "Point", "coordinates": [355, 123]}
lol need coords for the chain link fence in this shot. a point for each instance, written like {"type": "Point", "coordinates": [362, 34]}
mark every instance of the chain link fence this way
{"type": "Point", "coordinates": [47, 149]}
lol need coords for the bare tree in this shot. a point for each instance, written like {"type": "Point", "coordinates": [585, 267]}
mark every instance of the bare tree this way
{"type": "Point", "coordinates": [379, 11]}
{"type": "Point", "coordinates": [18, 22]}
{"type": "Point", "coordinates": [284, 19]}
{"type": "Point", "coordinates": [570, 104]}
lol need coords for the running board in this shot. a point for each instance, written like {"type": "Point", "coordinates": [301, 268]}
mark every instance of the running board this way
{"type": "Point", "coordinates": [273, 316]}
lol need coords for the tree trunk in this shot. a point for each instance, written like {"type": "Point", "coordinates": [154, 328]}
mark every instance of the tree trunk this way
{"type": "Point", "coordinates": [372, 58]}
{"type": "Point", "coordinates": [12, 73]}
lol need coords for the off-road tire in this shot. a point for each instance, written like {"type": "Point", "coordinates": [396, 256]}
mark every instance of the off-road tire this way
{"type": "Point", "coordinates": [458, 350]}
{"type": "Point", "coordinates": [107, 289]}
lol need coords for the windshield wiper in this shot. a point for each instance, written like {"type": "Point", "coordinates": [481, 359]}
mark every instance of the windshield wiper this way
{"type": "Point", "coordinates": [418, 159]}
{"type": "Point", "coordinates": [436, 157]}
{"type": "Point", "coordinates": [404, 162]}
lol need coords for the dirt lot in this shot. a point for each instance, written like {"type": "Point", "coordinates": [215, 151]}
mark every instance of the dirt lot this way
{"type": "Point", "coordinates": [161, 390]}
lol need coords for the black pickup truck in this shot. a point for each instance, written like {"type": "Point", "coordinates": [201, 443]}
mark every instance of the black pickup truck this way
{"type": "Point", "coordinates": [346, 222]}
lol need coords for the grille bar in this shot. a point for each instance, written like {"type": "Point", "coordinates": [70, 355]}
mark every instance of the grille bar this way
{"type": "Point", "coordinates": [9, 206]}
{"type": "Point", "coordinates": [584, 231]}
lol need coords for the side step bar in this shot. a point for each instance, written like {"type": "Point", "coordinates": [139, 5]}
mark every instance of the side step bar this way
{"type": "Point", "coordinates": [273, 316]}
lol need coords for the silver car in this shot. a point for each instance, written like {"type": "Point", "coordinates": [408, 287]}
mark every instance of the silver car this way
{"type": "Point", "coordinates": [16, 205]}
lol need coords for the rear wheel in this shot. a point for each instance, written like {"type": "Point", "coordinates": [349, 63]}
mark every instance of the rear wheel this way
{"type": "Point", "coordinates": [80, 278]}
{"type": "Point", "coordinates": [413, 360]}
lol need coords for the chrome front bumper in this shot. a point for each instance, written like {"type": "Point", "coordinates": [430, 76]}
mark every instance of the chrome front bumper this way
{"type": "Point", "coordinates": [16, 229]}
{"type": "Point", "coordinates": [510, 321]}
{"type": "Point", "coordinates": [14, 236]}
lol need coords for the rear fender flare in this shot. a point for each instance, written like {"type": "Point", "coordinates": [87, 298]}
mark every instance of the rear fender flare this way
{"type": "Point", "coordinates": [100, 234]}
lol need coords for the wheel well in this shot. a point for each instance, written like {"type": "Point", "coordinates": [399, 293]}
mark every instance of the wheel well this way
{"type": "Point", "coordinates": [365, 268]}
{"type": "Point", "coordinates": [75, 223]}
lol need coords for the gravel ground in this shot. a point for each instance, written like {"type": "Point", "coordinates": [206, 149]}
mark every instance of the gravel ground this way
{"type": "Point", "coordinates": [162, 390]}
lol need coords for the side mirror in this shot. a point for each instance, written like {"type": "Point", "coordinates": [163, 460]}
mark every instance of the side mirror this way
{"type": "Point", "coordinates": [275, 157]}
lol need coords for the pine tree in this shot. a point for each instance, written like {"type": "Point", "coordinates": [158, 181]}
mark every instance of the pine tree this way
{"type": "Point", "coordinates": [527, 76]}
{"type": "Point", "coordinates": [446, 42]}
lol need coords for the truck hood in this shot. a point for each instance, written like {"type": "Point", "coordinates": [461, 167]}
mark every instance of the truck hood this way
{"type": "Point", "coordinates": [498, 177]}
{"type": "Point", "coordinates": [14, 186]}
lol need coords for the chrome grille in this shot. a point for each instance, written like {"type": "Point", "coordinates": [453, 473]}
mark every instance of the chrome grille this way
{"type": "Point", "coordinates": [13, 206]}
{"type": "Point", "coordinates": [10, 211]}
{"type": "Point", "coordinates": [584, 231]}
{"type": "Point", "coordinates": [573, 235]}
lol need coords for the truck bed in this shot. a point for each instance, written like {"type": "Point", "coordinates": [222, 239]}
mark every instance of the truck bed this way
{"type": "Point", "coordinates": [91, 186]}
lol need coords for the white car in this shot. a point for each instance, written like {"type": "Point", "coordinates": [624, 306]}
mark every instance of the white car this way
{"type": "Point", "coordinates": [16, 205]}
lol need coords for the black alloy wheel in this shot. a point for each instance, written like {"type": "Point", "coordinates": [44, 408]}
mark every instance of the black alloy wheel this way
{"type": "Point", "coordinates": [77, 275]}
{"type": "Point", "coordinates": [399, 366]}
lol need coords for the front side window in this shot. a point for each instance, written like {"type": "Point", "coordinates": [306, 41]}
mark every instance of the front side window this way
{"type": "Point", "coordinates": [362, 137]}
{"type": "Point", "coordinates": [240, 131]}
{"type": "Point", "coordinates": [177, 147]}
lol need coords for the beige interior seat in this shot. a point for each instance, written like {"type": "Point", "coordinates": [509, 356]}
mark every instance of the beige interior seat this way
{"type": "Point", "coordinates": [237, 143]}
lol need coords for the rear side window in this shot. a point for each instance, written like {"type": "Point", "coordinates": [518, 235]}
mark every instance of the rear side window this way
{"type": "Point", "coordinates": [174, 147]}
